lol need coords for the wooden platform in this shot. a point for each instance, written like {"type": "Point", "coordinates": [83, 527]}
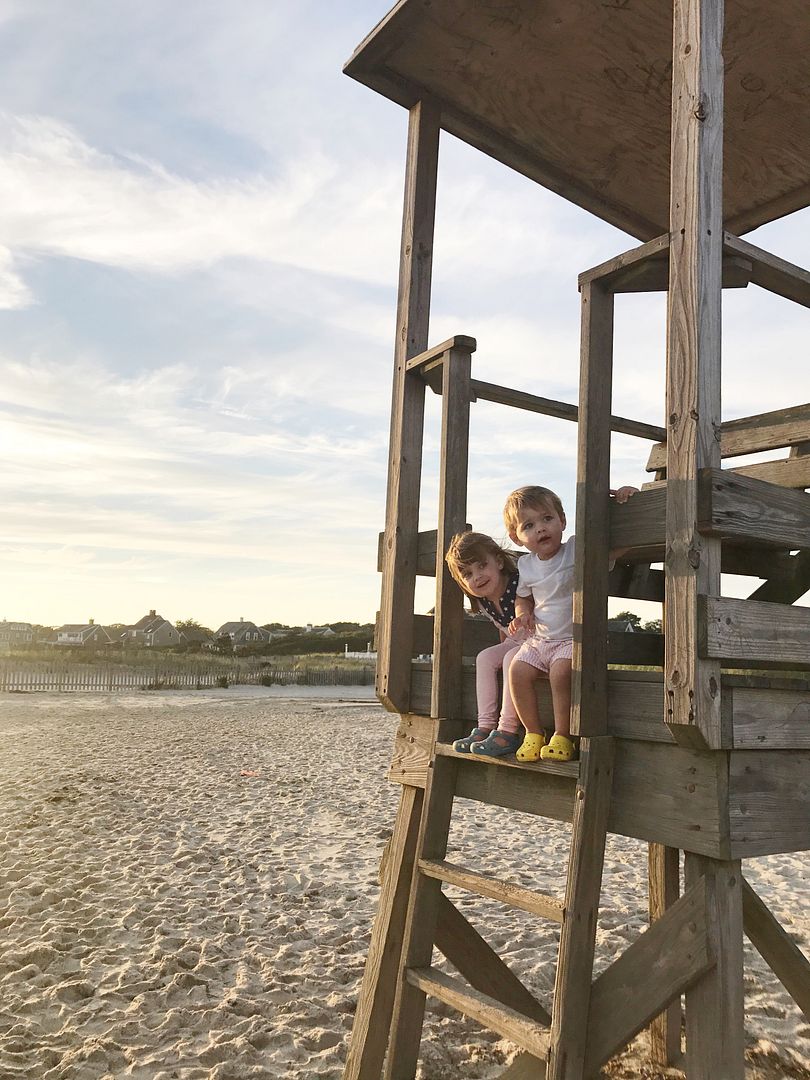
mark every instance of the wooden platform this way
{"type": "Point", "coordinates": [751, 800]}
{"type": "Point", "coordinates": [577, 96]}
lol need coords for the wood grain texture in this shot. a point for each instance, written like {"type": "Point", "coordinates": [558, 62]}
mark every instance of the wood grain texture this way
{"type": "Point", "coordinates": [589, 676]}
{"type": "Point", "coordinates": [481, 1007]}
{"type": "Point", "coordinates": [663, 873]}
{"type": "Point", "coordinates": [751, 631]}
{"type": "Point", "coordinates": [738, 507]}
{"type": "Point", "coordinates": [572, 986]}
{"type": "Point", "coordinates": [752, 434]}
{"type": "Point", "coordinates": [395, 627]}
{"type": "Point", "coordinates": [769, 802]}
{"type": "Point", "coordinates": [715, 1038]}
{"type": "Point", "coordinates": [692, 562]}
{"type": "Point", "coordinates": [448, 643]}
{"type": "Point", "coordinates": [659, 965]}
{"type": "Point", "coordinates": [420, 923]}
{"type": "Point", "coordinates": [506, 892]}
{"type": "Point", "coordinates": [576, 96]}
{"type": "Point", "coordinates": [369, 1037]}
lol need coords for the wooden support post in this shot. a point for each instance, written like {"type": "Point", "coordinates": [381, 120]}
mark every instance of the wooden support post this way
{"type": "Point", "coordinates": [589, 689]}
{"type": "Point", "coordinates": [692, 686]}
{"type": "Point", "coordinates": [421, 921]}
{"type": "Point", "coordinates": [372, 1019]}
{"type": "Point", "coordinates": [663, 873]}
{"type": "Point", "coordinates": [572, 987]}
{"type": "Point", "coordinates": [715, 1036]}
{"type": "Point", "coordinates": [395, 627]}
{"type": "Point", "coordinates": [449, 618]}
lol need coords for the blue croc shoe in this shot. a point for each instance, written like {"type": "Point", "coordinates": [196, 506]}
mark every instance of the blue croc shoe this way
{"type": "Point", "coordinates": [477, 735]}
{"type": "Point", "coordinates": [497, 744]}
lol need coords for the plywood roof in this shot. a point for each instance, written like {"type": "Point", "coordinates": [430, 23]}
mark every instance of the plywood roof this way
{"type": "Point", "coordinates": [576, 95]}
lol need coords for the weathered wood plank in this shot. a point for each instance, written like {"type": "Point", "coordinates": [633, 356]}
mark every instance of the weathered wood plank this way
{"type": "Point", "coordinates": [664, 889]}
{"type": "Point", "coordinates": [751, 631]}
{"type": "Point", "coordinates": [407, 412]}
{"type": "Point", "coordinates": [460, 342]}
{"type": "Point", "coordinates": [369, 1037]}
{"type": "Point", "coordinates": [589, 678]}
{"type": "Point", "coordinates": [640, 523]}
{"type": "Point", "coordinates": [646, 269]}
{"type": "Point", "coordinates": [770, 719]}
{"type": "Point", "coordinates": [413, 746]}
{"type": "Point", "coordinates": [481, 1007]}
{"type": "Point", "coordinates": [659, 965]}
{"type": "Point", "coordinates": [518, 399]}
{"type": "Point", "coordinates": [715, 1038]}
{"type": "Point", "coordinates": [752, 434]}
{"type": "Point", "coordinates": [746, 508]}
{"type": "Point", "coordinates": [769, 802]}
{"type": "Point", "coordinates": [420, 923]}
{"type": "Point", "coordinates": [506, 892]}
{"type": "Point", "coordinates": [776, 948]}
{"type": "Point", "coordinates": [770, 272]}
{"type": "Point", "coordinates": [481, 966]}
{"type": "Point", "coordinates": [611, 272]}
{"type": "Point", "coordinates": [449, 619]}
{"type": "Point", "coordinates": [789, 472]}
{"type": "Point", "coordinates": [692, 564]}
{"type": "Point", "coordinates": [572, 986]}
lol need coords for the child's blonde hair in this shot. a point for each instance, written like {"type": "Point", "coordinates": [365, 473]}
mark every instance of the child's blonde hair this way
{"type": "Point", "coordinates": [533, 497]}
{"type": "Point", "coordinates": [470, 547]}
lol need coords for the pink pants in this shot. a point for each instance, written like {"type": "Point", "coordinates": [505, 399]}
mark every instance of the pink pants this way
{"type": "Point", "coordinates": [489, 664]}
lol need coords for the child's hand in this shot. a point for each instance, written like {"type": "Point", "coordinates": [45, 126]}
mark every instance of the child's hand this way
{"type": "Point", "coordinates": [521, 622]}
{"type": "Point", "coordinates": [622, 494]}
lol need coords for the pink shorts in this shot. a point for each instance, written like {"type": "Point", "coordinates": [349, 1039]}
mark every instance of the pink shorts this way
{"type": "Point", "coordinates": [543, 653]}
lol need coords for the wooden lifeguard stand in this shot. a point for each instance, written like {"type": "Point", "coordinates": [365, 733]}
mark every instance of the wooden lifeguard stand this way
{"type": "Point", "coordinates": [619, 107]}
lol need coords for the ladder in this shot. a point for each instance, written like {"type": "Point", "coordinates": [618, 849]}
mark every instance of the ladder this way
{"type": "Point", "coordinates": [490, 994]}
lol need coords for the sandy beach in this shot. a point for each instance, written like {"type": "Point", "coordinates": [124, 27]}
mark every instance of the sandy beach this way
{"type": "Point", "coordinates": [188, 881]}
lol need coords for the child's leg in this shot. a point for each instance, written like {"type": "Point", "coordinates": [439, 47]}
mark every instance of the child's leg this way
{"type": "Point", "coordinates": [560, 747]}
{"type": "Point", "coordinates": [508, 735]}
{"type": "Point", "coordinates": [560, 678]}
{"type": "Point", "coordinates": [522, 677]}
{"type": "Point", "coordinates": [488, 665]}
{"type": "Point", "coordinates": [509, 720]}
{"type": "Point", "coordinates": [487, 668]}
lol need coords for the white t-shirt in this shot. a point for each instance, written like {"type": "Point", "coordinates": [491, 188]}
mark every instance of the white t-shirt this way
{"type": "Point", "coordinates": [551, 583]}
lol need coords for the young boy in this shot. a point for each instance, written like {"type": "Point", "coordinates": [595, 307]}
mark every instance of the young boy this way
{"type": "Point", "coordinates": [535, 519]}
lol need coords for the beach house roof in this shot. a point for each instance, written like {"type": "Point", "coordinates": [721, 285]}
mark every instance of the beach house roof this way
{"type": "Point", "coordinates": [577, 97]}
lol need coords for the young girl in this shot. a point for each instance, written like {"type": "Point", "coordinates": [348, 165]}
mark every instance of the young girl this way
{"type": "Point", "coordinates": [488, 576]}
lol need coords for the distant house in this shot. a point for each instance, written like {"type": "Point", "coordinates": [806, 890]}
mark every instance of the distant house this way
{"type": "Point", "coordinates": [151, 632]}
{"type": "Point", "coordinates": [83, 634]}
{"type": "Point", "coordinates": [16, 633]}
{"type": "Point", "coordinates": [622, 626]}
{"type": "Point", "coordinates": [243, 633]}
{"type": "Point", "coordinates": [323, 631]}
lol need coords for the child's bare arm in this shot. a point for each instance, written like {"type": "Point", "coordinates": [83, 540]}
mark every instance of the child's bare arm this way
{"type": "Point", "coordinates": [524, 615]}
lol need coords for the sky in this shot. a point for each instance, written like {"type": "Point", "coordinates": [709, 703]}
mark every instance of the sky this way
{"type": "Point", "coordinates": [199, 237]}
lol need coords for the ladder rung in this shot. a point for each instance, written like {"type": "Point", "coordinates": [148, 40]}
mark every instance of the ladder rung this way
{"type": "Point", "coordinates": [559, 768]}
{"type": "Point", "coordinates": [486, 1010]}
{"type": "Point", "coordinates": [505, 891]}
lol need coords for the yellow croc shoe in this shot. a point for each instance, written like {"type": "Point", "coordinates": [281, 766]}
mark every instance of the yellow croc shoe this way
{"type": "Point", "coordinates": [559, 748]}
{"type": "Point", "coordinates": [531, 747]}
